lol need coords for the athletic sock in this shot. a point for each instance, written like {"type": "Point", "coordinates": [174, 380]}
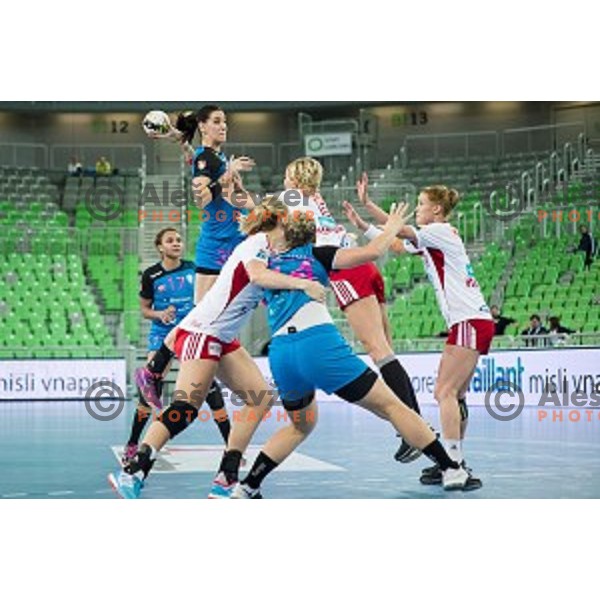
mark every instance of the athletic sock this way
{"type": "Point", "coordinates": [453, 448]}
{"type": "Point", "coordinates": [435, 451]}
{"type": "Point", "coordinates": [160, 360]}
{"type": "Point", "coordinates": [263, 465]}
{"type": "Point", "coordinates": [140, 418]}
{"type": "Point", "coordinates": [397, 379]}
{"type": "Point", "coordinates": [230, 465]}
{"type": "Point", "coordinates": [215, 401]}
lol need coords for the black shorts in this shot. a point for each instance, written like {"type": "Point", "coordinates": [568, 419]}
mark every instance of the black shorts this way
{"type": "Point", "coordinates": [204, 271]}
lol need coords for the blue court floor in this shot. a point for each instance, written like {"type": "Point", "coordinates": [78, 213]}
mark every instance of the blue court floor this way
{"type": "Point", "coordinates": [57, 450]}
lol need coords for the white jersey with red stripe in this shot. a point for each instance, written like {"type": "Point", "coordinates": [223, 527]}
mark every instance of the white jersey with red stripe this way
{"type": "Point", "coordinates": [449, 270]}
{"type": "Point", "coordinates": [230, 302]}
{"type": "Point", "coordinates": [329, 232]}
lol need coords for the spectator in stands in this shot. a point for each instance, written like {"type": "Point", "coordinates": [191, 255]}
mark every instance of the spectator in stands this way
{"type": "Point", "coordinates": [74, 167]}
{"type": "Point", "coordinates": [587, 244]}
{"type": "Point", "coordinates": [535, 329]}
{"type": "Point", "coordinates": [556, 327]}
{"type": "Point", "coordinates": [103, 166]}
{"type": "Point", "coordinates": [558, 331]}
{"type": "Point", "coordinates": [501, 322]}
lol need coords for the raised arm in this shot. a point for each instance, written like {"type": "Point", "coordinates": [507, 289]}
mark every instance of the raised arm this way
{"type": "Point", "coordinates": [370, 231]}
{"type": "Point", "coordinates": [362, 189]}
{"type": "Point", "coordinates": [347, 258]}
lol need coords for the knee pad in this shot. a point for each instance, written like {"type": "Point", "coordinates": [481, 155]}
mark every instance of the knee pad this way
{"type": "Point", "coordinates": [464, 409]}
{"type": "Point", "coordinates": [178, 417]}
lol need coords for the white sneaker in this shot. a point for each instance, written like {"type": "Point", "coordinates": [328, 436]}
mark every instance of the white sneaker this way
{"type": "Point", "coordinates": [243, 492]}
{"type": "Point", "coordinates": [454, 479]}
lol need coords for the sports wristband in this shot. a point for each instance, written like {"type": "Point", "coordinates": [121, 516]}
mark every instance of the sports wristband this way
{"type": "Point", "coordinates": [372, 232]}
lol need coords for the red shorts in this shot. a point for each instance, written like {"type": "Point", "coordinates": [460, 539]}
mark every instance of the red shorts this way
{"type": "Point", "coordinates": [350, 285]}
{"type": "Point", "coordinates": [476, 334]}
{"type": "Point", "coordinates": [195, 346]}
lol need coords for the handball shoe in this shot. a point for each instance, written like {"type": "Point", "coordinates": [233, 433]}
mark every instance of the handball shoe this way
{"type": "Point", "coordinates": [243, 492]}
{"type": "Point", "coordinates": [128, 487]}
{"type": "Point", "coordinates": [221, 488]}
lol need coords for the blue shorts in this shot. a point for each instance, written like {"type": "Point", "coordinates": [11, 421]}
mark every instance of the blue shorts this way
{"type": "Point", "coordinates": [156, 337]}
{"type": "Point", "coordinates": [316, 358]}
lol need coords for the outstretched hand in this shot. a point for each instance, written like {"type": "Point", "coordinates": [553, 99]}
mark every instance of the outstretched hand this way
{"type": "Point", "coordinates": [362, 189]}
{"type": "Point", "coordinates": [398, 217]}
{"type": "Point", "coordinates": [353, 216]}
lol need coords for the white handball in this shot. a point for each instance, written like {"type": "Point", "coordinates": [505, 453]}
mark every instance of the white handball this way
{"type": "Point", "coordinates": [156, 122]}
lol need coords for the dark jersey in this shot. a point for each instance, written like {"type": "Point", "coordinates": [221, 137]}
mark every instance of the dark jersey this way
{"type": "Point", "coordinates": [170, 288]}
{"type": "Point", "coordinates": [209, 163]}
{"type": "Point", "coordinates": [219, 231]}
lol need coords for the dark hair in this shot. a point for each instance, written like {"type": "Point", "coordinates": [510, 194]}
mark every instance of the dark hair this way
{"type": "Point", "coordinates": [159, 236]}
{"type": "Point", "coordinates": [187, 123]}
{"type": "Point", "coordinates": [535, 317]}
{"type": "Point", "coordinates": [204, 113]}
{"type": "Point", "coordinates": [554, 321]}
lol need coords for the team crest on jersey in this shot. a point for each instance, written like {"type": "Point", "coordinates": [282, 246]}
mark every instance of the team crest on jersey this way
{"type": "Point", "coordinates": [161, 288]}
{"type": "Point", "coordinates": [201, 164]}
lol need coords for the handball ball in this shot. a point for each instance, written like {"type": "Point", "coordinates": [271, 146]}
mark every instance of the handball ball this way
{"type": "Point", "coordinates": [156, 122]}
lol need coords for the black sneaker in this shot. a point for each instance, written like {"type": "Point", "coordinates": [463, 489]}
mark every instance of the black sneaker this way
{"type": "Point", "coordinates": [433, 476]}
{"type": "Point", "coordinates": [407, 453]}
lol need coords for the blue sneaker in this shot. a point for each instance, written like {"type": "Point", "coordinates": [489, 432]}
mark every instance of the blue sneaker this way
{"type": "Point", "coordinates": [128, 487]}
{"type": "Point", "coordinates": [221, 489]}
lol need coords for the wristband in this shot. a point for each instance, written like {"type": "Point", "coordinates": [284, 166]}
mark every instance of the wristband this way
{"type": "Point", "coordinates": [372, 232]}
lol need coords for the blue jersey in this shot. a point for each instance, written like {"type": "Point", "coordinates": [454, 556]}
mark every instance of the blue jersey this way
{"type": "Point", "coordinates": [219, 232]}
{"type": "Point", "coordinates": [306, 262]}
{"type": "Point", "coordinates": [168, 288]}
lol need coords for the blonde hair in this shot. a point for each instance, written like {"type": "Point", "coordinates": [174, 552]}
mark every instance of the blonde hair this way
{"type": "Point", "coordinates": [443, 196]}
{"type": "Point", "coordinates": [306, 173]}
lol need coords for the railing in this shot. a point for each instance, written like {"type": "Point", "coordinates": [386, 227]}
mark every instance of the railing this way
{"type": "Point", "coordinates": [540, 138]}
{"type": "Point", "coordinates": [58, 156]}
{"type": "Point", "coordinates": [451, 145]}
{"type": "Point", "coordinates": [507, 342]}
{"type": "Point", "coordinates": [24, 155]}
{"type": "Point", "coordinates": [121, 156]}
